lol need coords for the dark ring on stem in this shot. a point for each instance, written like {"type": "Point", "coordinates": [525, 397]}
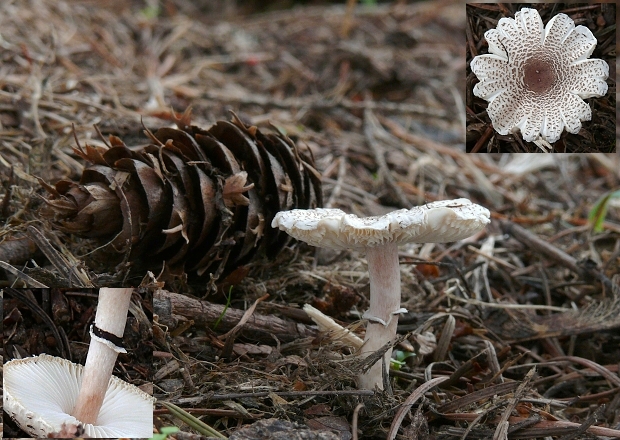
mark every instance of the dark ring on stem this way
{"type": "Point", "coordinates": [110, 337]}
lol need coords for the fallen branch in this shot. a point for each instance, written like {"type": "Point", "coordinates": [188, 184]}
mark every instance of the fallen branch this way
{"type": "Point", "coordinates": [172, 307]}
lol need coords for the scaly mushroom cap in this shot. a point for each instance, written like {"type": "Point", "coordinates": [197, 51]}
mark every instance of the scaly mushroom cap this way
{"type": "Point", "coordinates": [436, 222]}
{"type": "Point", "coordinates": [535, 78]}
{"type": "Point", "coordinates": [40, 392]}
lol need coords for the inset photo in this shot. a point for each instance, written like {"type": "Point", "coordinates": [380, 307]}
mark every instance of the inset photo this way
{"type": "Point", "coordinates": [541, 78]}
{"type": "Point", "coordinates": [78, 363]}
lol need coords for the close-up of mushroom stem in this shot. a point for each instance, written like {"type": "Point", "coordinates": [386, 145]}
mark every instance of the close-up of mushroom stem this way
{"type": "Point", "coordinates": [110, 317]}
{"type": "Point", "coordinates": [384, 301]}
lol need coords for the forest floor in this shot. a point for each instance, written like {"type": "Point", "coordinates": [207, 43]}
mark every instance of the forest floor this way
{"type": "Point", "coordinates": [521, 320]}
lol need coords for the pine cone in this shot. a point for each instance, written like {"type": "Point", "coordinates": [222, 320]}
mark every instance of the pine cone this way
{"type": "Point", "coordinates": [199, 200]}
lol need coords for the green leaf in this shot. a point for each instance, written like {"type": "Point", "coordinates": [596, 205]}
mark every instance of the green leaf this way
{"type": "Point", "coordinates": [228, 299]}
{"type": "Point", "coordinates": [400, 358]}
{"type": "Point", "coordinates": [192, 421]}
{"type": "Point", "coordinates": [165, 432]}
{"type": "Point", "coordinates": [150, 12]}
{"type": "Point", "coordinates": [169, 429]}
{"type": "Point", "coordinates": [597, 214]}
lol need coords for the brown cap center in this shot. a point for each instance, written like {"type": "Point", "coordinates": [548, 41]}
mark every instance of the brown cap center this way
{"type": "Point", "coordinates": [538, 75]}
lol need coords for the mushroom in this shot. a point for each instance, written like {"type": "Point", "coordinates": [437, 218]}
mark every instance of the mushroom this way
{"type": "Point", "coordinates": [46, 395]}
{"type": "Point", "coordinates": [379, 237]}
{"type": "Point", "coordinates": [535, 79]}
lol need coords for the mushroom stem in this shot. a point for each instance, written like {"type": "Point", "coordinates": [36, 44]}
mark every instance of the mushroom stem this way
{"type": "Point", "coordinates": [110, 317]}
{"type": "Point", "coordinates": [384, 301]}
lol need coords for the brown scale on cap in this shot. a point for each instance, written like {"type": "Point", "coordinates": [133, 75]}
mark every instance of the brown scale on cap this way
{"type": "Point", "coordinates": [538, 75]}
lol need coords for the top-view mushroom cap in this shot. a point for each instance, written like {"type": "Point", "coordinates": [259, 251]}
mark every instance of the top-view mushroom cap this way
{"type": "Point", "coordinates": [436, 222]}
{"type": "Point", "coordinates": [535, 78]}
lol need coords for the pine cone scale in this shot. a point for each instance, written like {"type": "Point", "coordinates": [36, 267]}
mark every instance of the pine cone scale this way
{"type": "Point", "coordinates": [220, 157]}
{"type": "Point", "coordinates": [198, 200]}
{"type": "Point", "coordinates": [284, 153]}
{"type": "Point", "coordinates": [245, 151]}
{"type": "Point", "coordinates": [183, 141]}
{"type": "Point", "coordinates": [151, 186]}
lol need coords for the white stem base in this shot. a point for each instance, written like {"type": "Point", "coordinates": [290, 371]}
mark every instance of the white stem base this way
{"type": "Point", "coordinates": [384, 300]}
{"type": "Point", "coordinates": [111, 317]}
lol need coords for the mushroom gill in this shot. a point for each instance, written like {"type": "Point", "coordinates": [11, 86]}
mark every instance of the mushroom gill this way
{"type": "Point", "coordinates": [535, 78]}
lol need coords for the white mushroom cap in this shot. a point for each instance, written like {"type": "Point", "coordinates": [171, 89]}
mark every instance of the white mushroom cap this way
{"type": "Point", "coordinates": [436, 222]}
{"type": "Point", "coordinates": [41, 391]}
{"type": "Point", "coordinates": [535, 78]}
